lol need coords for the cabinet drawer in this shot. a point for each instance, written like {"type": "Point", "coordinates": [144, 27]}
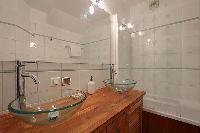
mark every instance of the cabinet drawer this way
{"type": "Point", "coordinates": [120, 125]}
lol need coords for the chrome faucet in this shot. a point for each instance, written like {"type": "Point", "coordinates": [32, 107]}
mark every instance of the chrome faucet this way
{"type": "Point", "coordinates": [21, 75]}
{"type": "Point", "coordinates": [112, 72]}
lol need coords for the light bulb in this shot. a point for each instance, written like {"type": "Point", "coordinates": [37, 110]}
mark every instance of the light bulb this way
{"type": "Point", "coordinates": [140, 33]}
{"type": "Point", "coordinates": [91, 9]}
{"type": "Point", "coordinates": [129, 25]}
{"type": "Point", "coordinates": [121, 28]}
{"type": "Point", "coordinates": [33, 45]}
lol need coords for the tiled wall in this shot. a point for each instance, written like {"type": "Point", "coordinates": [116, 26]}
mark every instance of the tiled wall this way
{"type": "Point", "coordinates": [166, 60]}
{"type": "Point", "coordinates": [44, 92]}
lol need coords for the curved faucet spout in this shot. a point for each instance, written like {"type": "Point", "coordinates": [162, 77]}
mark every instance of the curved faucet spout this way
{"type": "Point", "coordinates": [33, 77]}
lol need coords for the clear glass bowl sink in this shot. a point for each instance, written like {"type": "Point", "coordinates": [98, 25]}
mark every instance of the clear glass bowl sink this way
{"type": "Point", "coordinates": [47, 113]}
{"type": "Point", "coordinates": [120, 86]}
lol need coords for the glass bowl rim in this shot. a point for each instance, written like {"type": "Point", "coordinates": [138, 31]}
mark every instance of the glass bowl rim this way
{"type": "Point", "coordinates": [17, 111]}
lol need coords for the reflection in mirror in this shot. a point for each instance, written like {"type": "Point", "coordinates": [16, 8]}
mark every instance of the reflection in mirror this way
{"type": "Point", "coordinates": [69, 38]}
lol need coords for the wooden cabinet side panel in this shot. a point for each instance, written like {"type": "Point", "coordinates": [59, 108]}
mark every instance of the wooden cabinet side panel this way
{"type": "Point", "coordinates": [134, 117]}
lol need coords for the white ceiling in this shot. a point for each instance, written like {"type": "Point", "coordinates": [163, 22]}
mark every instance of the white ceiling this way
{"type": "Point", "coordinates": [75, 8]}
{"type": "Point", "coordinates": [72, 7]}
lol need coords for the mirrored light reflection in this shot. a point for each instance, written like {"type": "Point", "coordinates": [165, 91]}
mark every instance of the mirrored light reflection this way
{"type": "Point", "coordinates": [129, 25]}
{"type": "Point", "coordinates": [91, 9]}
{"type": "Point", "coordinates": [148, 42]}
{"type": "Point", "coordinates": [33, 45]}
{"type": "Point", "coordinates": [140, 33]}
{"type": "Point", "coordinates": [132, 35]}
{"type": "Point", "coordinates": [121, 28]}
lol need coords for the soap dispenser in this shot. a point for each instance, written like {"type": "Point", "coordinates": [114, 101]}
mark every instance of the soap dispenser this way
{"type": "Point", "coordinates": [91, 86]}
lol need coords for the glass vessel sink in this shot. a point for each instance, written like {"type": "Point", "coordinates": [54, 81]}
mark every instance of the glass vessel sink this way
{"type": "Point", "coordinates": [47, 113]}
{"type": "Point", "coordinates": [120, 86]}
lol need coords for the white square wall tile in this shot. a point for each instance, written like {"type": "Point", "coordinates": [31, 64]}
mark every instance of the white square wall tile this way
{"type": "Point", "coordinates": [7, 14]}
{"type": "Point", "coordinates": [174, 83]}
{"type": "Point", "coordinates": [49, 66]}
{"type": "Point", "coordinates": [174, 76]}
{"type": "Point", "coordinates": [149, 61]}
{"type": "Point", "coordinates": [84, 79]}
{"type": "Point", "coordinates": [7, 51]}
{"type": "Point", "coordinates": [174, 45]}
{"type": "Point", "coordinates": [149, 81]}
{"type": "Point", "coordinates": [191, 10]}
{"type": "Point", "coordinates": [137, 75]}
{"type": "Point", "coordinates": [191, 28]}
{"type": "Point", "coordinates": [9, 89]}
{"type": "Point", "coordinates": [161, 83]}
{"type": "Point", "coordinates": [174, 61]}
{"type": "Point", "coordinates": [45, 80]}
{"type": "Point", "coordinates": [191, 85]}
{"type": "Point", "coordinates": [23, 51]}
{"type": "Point", "coordinates": [190, 60]}
{"type": "Point", "coordinates": [45, 89]}
{"type": "Point", "coordinates": [161, 61]}
{"type": "Point", "coordinates": [9, 65]}
{"type": "Point", "coordinates": [123, 74]}
{"type": "Point", "coordinates": [22, 36]}
{"type": "Point", "coordinates": [74, 75]}
{"type": "Point", "coordinates": [30, 66]}
{"type": "Point", "coordinates": [138, 61]}
{"type": "Point", "coordinates": [7, 31]}
{"type": "Point", "coordinates": [191, 44]}
{"type": "Point", "coordinates": [160, 45]}
{"type": "Point", "coordinates": [167, 16]}
{"type": "Point", "coordinates": [168, 31]}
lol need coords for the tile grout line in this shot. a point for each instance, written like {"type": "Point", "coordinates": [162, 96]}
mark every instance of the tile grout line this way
{"type": "Point", "coordinates": [2, 89]}
{"type": "Point", "coordinates": [51, 37]}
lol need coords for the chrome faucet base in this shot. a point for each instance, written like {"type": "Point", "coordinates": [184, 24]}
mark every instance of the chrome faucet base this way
{"type": "Point", "coordinates": [21, 75]}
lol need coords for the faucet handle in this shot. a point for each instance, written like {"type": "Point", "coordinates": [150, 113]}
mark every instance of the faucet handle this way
{"type": "Point", "coordinates": [66, 81]}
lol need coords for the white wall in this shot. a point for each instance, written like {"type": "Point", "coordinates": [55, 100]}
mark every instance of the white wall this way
{"type": "Point", "coordinates": [168, 68]}
{"type": "Point", "coordinates": [97, 42]}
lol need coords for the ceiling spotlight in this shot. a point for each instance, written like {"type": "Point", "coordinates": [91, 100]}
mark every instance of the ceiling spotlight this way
{"type": "Point", "coordinates": [121, 27]}
{"type": "Point", "coordinates": [129, 25]}
{"type": "Point", "coordinates": [33, 45]}
{"type": "Point", "coordinates": [91, 9]}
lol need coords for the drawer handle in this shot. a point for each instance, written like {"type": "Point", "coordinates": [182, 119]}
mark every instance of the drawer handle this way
{"type": "Point", "coordinates": [117, 131]}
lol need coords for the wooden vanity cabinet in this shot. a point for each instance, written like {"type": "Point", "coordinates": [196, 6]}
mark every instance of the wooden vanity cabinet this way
{"type": "Point", "coordinates": [102, 112]}
{"type": "Point", "coordinates": [130, 121]}
{"type": "Point", "coordinates": [119, 125]}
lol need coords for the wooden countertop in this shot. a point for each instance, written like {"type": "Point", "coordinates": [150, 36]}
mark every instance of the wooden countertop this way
{"type": "Point", "coordinates": [96, 111]}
